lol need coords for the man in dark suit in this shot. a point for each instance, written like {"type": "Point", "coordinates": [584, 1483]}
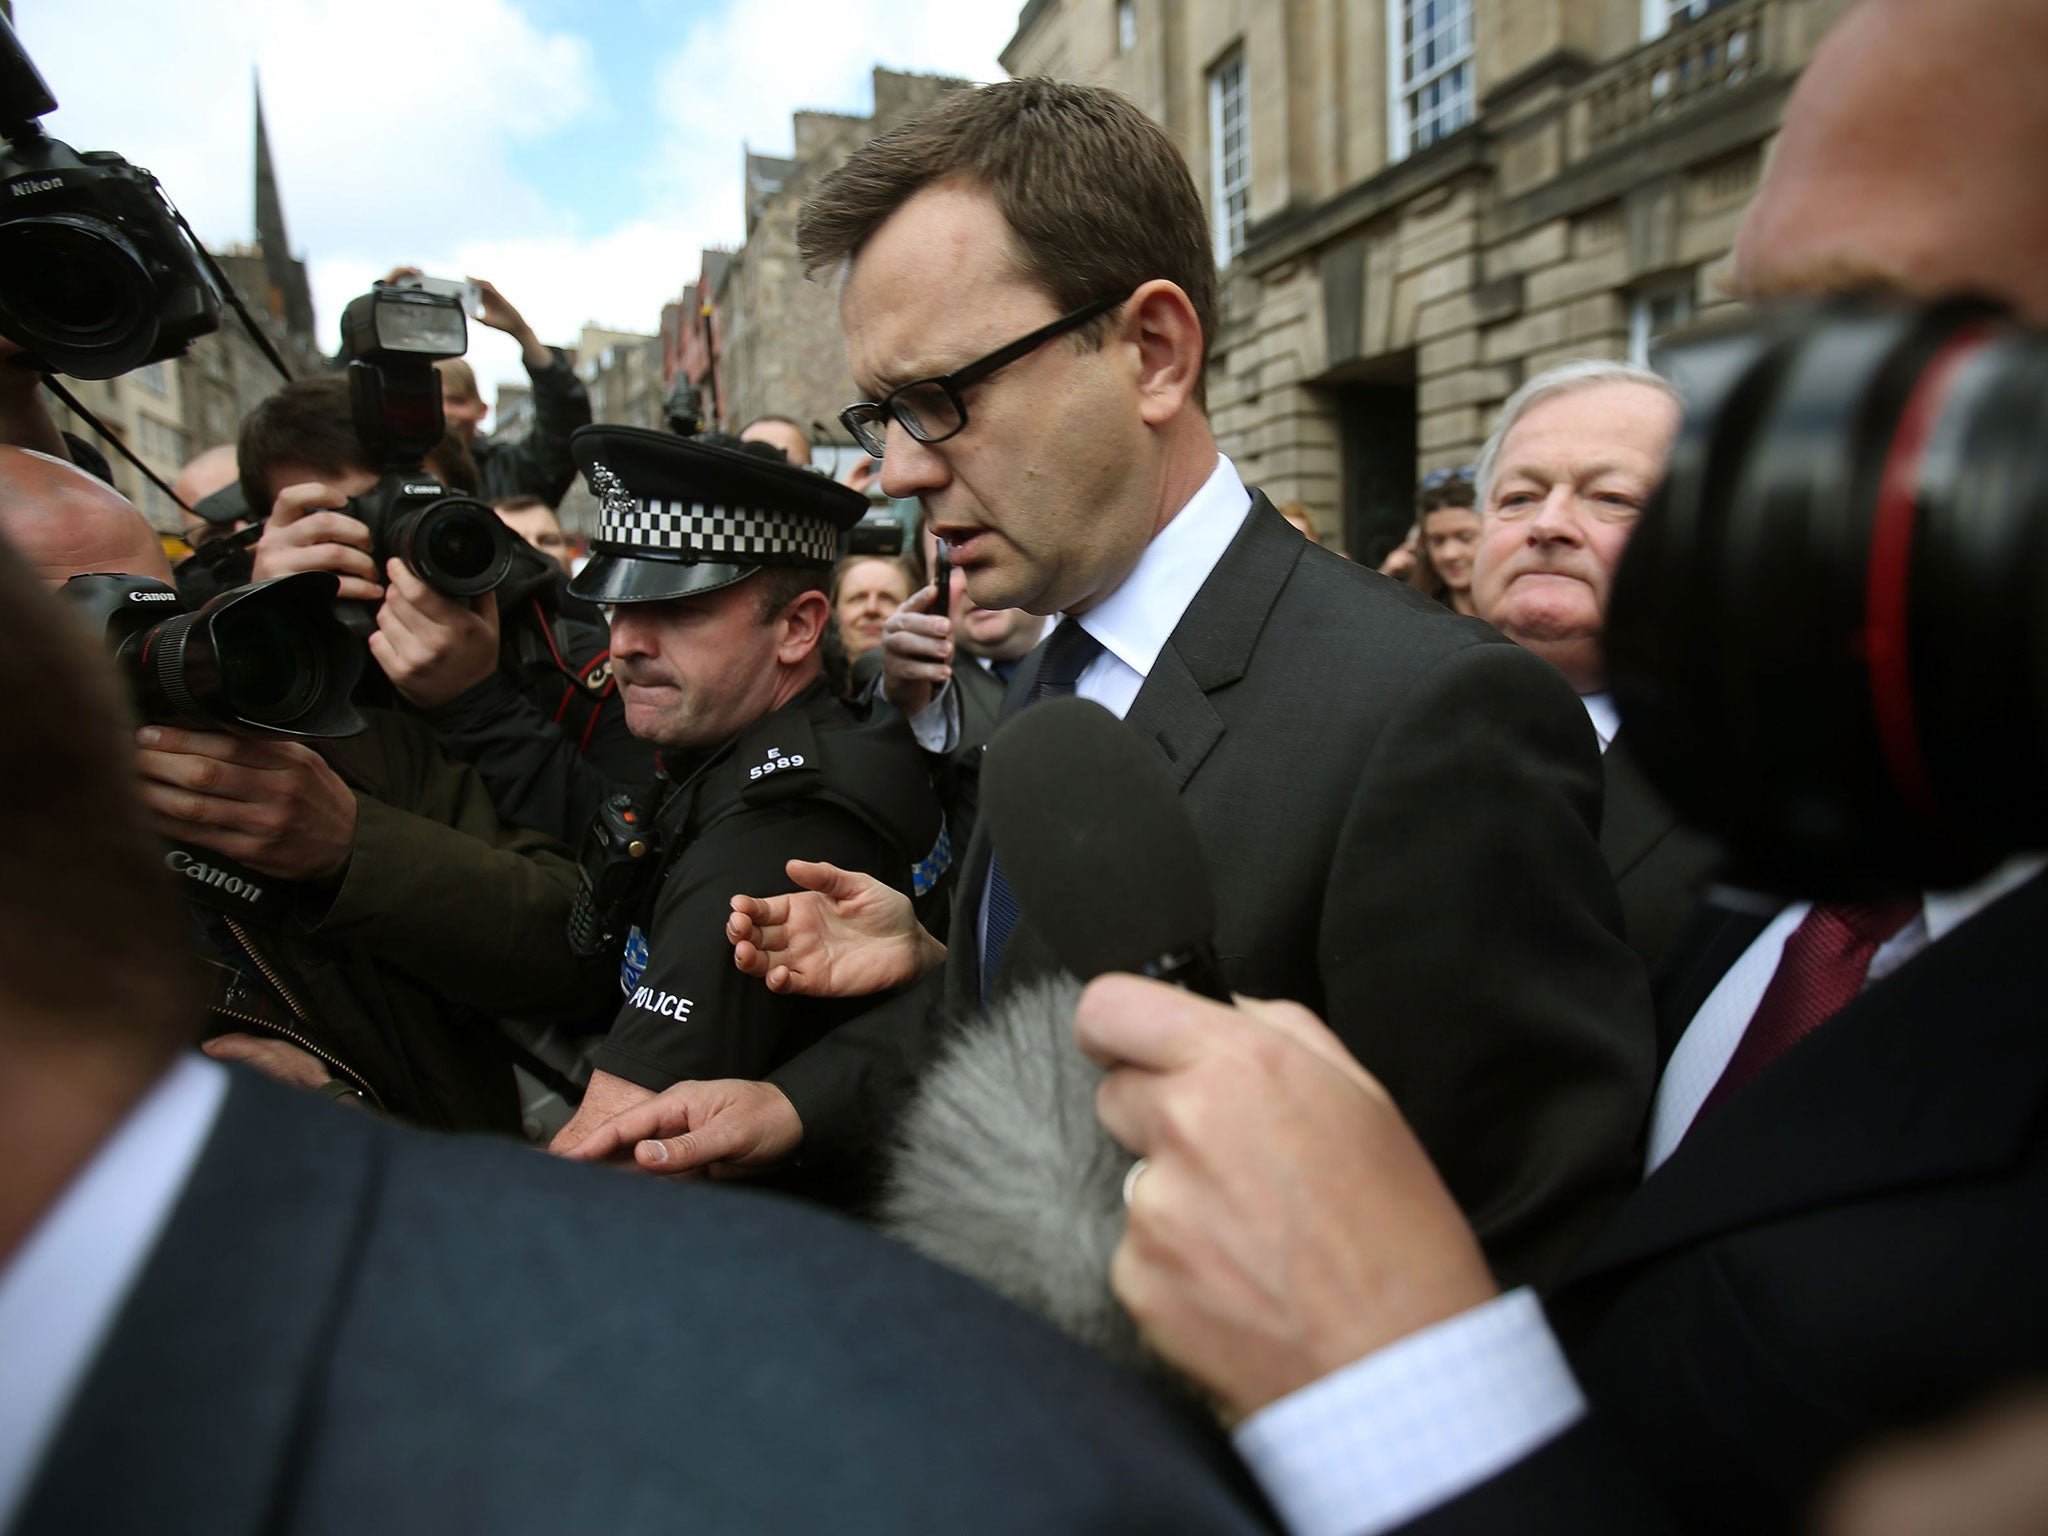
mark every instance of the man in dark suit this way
{"type": "Point", "coordinates": [1571, 459]}
{"type": "Point", "coordinates": [1381, 788]}
{"type": "Point", "coordinates": [1835, 1243]}
{"type": "Point", "coordinates": [227, 1308]}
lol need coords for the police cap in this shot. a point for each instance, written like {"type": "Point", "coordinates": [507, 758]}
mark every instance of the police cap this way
{"type": "Point", "coordinates": [678, 517]}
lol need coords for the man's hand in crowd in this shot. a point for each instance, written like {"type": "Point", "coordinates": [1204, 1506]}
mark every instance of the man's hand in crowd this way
{"type": "Point", "coordinates": [1287, 1222]}
{"type": "Point", "coordinates": [917, 652]}
{"type": "Point", "coordinates": [431, 646]}
{"type": "Point", "coordinates": [273, 805]}
{"type": "Point", "coordinates": [725, 1129]}
{"type": "Point", "coordinates": [844, 934]}
{"type": "Point", "coordinates": [307, 532]}
{"type": "Point", "coordinates": [606, 1096]}
{"type": "Point", "coordinates": [499, 315]}
{"type": "Point", "coordinates": [276, 1059]}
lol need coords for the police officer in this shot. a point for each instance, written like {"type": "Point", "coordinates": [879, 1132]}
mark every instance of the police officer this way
{"type": "Point", "coordinates": [714, 564]}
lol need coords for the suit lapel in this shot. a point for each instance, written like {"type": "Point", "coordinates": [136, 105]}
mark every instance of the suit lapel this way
{"type": "Point", "coordinates": [1937, 1072]}
{"type": "Point", "coordinates": [1212, 645]}
{"type": "Point", "coordinates": [191, 1418]}
{"type": "Point", "coordinates": [1634, 818]}
{"type": "Point", "coordinates": [1209, 648]}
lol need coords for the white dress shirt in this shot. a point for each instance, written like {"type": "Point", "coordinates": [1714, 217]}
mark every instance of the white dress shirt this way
{"type": "Point", "coordinates": [1709, 1041]}
{"type": "Point", "coordinates": [1432, 1416]}
{"type": "Point", "coordinates": [1134, 622]}
{"type": "Point", "coordinates": [1605, 717]}
{"type": "Point", "coordinates": [62, 1289]}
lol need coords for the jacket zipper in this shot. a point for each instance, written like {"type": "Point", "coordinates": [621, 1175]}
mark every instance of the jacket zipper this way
{"type": "Point", "coordinates": [334, 1064]}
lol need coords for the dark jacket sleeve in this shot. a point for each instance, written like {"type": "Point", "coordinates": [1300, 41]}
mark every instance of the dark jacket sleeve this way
{"type": "Point", "coordinates": [1489, 987]}
{"type": "Point", "coordinates": [849, 1087]}
{"type": "Point", "coordinates": [1578, 1483]}
{"type": "Point", "coordinates": [539, 464]}
{"type": "Point", "coordinates": [439, 887]}
{"type": "Point", "coordinates": [536, 776]}
{"type": "Point", "coordinates": [692, 1012]}
{"type": "Point", "coordinates": [549, 755]}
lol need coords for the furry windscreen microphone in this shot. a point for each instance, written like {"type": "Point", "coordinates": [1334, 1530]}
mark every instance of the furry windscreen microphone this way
{"type": "Point", "coordinates": [1098, 848]}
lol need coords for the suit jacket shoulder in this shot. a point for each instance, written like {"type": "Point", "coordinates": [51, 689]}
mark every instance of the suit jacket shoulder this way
{"type": "Point", "coordinates": [349, 1327]}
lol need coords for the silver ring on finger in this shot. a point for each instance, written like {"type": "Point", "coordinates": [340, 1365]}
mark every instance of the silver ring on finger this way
{"type": "Point", "coordinates": [1131, 1176]}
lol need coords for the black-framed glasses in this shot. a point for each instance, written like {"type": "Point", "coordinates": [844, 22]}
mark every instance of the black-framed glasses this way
{"type": "Point", "coordinates": [932, 410]}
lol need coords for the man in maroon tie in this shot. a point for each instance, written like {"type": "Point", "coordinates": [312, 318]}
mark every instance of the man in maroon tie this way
{"type": "Point", "coordinates": [1839, 1238]}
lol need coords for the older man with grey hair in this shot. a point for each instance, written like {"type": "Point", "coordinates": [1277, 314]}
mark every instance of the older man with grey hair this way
{"type": "Point", "coordinates": [1571, 461]}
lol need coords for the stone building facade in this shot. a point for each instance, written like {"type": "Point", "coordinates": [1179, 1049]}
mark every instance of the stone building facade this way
{"type": "Point", "coordinates": [622, 372]}
{"type": "Point", "coordinates": [779, 348]}
{"type": "Point", "coordinates": [1405, 233]}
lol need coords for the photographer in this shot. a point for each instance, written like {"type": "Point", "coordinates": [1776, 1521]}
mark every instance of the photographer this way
{"type": "Point", "coordinates": [411, 916]}
{"type": "Point", "coordinates": [1838, 1237]}
{"type": "Point", "coordinates": [509, 681]}
{"type": "Point", "coordinates": [539, 463]}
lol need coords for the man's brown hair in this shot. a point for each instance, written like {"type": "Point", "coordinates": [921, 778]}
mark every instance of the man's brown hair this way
{"type": "Point", "coordinates": [454, 371]}
{"type": "Point", "coordinates": [1097, 195]}
{"type": "Point", "coordinates": [308, 422]}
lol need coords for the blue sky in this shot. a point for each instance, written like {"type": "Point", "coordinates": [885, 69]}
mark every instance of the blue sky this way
{"type": "Point", "coordinates": [577, 154]}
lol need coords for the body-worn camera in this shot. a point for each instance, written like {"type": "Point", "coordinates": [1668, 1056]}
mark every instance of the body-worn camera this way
{"type": "Point", "coordinates": [391, 337]}
{"type": "Point", "coordinates": [1827, 637]}
{"type": "Point", "coordinates": [269, 658]}
{"type": "Point", "coordinates": [96, 276]}
{"type": "Point", "coordinates": [621, 852]}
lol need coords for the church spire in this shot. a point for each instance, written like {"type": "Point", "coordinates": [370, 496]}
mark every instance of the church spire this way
{"type": "Point", "coordinates": [291, 297]}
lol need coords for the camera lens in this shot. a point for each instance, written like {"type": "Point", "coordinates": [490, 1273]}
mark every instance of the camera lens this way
{"type": "Point", "coordinates": [271, 670]}
{"type": "Point", "coordinates": [75, 293]}
{"type": "Point", "coordinates": [457, 546]}
{"type": "Point", "coordinates": [1826, 636]}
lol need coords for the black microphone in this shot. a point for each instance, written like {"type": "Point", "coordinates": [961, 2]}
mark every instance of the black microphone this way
{"type": "Point", "coordinates": [1097, 847]}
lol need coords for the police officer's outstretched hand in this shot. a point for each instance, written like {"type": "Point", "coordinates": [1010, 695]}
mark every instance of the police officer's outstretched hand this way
{"type": "Point", "coordinates": [917, 652]}
{"type": "Point", "coordinates": [433, 648]}
{"type": "Point", "coordinates": [845, 934]}
{"type": "Point", "coordinates": [729, 1128]}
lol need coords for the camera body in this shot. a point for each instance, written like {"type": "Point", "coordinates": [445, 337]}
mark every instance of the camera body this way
{"type": "Point", "coordinates": [392, 336]}
{"type": "Point", "coordinates": [97, 276]}
{"type": "Point", "coordinates": [450, 541]}
{"type": "Point", "coordinates": [269, 659]}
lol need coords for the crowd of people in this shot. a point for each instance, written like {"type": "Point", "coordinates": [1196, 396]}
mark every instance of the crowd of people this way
{"type": "Point", "coordinates": [1517, 1177]}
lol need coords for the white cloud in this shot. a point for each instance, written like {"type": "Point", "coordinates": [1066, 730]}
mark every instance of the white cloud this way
{"type": "Point", "coordinates": [390, 125]}
{"type": "Point", "coordinates": [742, 72]}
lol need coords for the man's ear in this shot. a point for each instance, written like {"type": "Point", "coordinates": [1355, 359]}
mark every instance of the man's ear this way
{"type": "Point", "coordinates": [801, 626]}
{"type": "Point", "coordinates": [1160, 322]}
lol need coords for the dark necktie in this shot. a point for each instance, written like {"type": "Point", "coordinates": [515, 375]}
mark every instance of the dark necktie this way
{"type": "Point", "coordinates": [1067, 655]}
{"type": "Point", "coordinates": [1821, 972]}
{"type": "Point", "coordinates": [1005, 670]}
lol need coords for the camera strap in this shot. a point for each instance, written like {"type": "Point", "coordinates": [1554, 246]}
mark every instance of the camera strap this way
{"type": "Point", "coordinates": [217, 881]}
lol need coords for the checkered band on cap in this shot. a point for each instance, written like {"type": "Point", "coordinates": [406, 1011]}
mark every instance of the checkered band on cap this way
{"type": "Point", "coordinates": [683, 527]}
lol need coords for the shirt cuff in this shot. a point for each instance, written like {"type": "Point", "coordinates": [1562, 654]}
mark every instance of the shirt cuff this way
{"type": "Point", "coordinates": [937, 725]}
{"type": "Point", "coordinates": [1407, 1428]}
